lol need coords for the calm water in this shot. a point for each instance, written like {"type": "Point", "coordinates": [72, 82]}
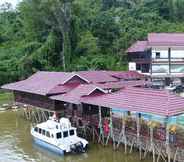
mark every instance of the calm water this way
{"type": "Point", "coordinates": [16, 146]}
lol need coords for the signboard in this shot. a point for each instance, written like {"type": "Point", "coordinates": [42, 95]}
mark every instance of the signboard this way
{"type": "Point", "coordinates": [132, 66]}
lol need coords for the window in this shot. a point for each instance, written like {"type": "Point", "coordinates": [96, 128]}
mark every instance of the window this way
{"type": "Point", "coordinates": [40, 130]}
{"type": "Point", "coordinates": [65, 134]}
{"type": "Point", "coordinates": [160, 68]}
{"type": "Point", "coordinates": [48, 134]}
{"type": "Point", "coordinates": [179, 68]}
{"type": "Point", "coordinates": [56, 126]}
{"type": "Point", "coordinates": [43, 132]}
{"type": "Point", "coordinates": [36, 129]}
{"type": "Point", "coordinates": [58, 135]}
{"type": "Point", "coordinates": [157, 55]}
{"type": "Point", "coordinates": [72, 132]}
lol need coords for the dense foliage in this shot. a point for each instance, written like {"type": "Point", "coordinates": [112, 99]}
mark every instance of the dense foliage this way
{"type": "Point", "coordinates": [78, 34]}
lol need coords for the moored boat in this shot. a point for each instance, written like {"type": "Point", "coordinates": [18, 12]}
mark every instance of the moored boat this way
{"type": "Point", "coordinates": [58, 136]}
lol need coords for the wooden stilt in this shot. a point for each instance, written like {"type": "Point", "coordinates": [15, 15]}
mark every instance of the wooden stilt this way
{"type": "Point", "coordinates": [122, 136]}
{"type": "Point", "coordinates": [175, 155]}
{"type": "Point", "coordinates": [111, 133]}
{"type": "Point", "coordinates": [138, 136]}
{"type": "Point", "coordinates": [134, 141]}
{"type": "Point", "coordinates": [100, 126]}
{"type": "Point", "coordinates": [167, 144]}
{"type": "Point", "coordinates": [35, 117]}
{"type": "Point", "coordinates": [152, 148]}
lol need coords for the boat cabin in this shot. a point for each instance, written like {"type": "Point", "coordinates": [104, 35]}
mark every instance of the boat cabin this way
{"type": "Point", "coordinates": [56, 134]}
{"type": "Point", "coordinates": [56, 130]}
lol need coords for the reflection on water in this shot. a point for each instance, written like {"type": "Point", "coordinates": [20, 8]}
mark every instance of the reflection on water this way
{"type": "Point", "coordinates": [16, 146]}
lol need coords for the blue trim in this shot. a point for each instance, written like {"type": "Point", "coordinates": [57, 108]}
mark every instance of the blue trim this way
{"type": "Point", "coordinates": [48, 146]}
{"type": "Point", "coordinates": [119, 110]}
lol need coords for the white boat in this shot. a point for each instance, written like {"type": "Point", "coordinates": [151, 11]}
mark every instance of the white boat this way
{"type": "Point", "coordinates": [58, 136]}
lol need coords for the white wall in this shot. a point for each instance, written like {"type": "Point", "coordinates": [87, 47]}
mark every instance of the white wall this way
{"type": "Point", "coordinates": [164, 53]}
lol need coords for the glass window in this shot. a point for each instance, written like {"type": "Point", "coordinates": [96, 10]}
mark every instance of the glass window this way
{"type": "Point", "coordinates": [72, 132]}
{"type": "Point", "coordinates": [157, 55]}
{"type": "Point", "coordinates": [48, 134]}
{"type": "Point", "coordinates": [36, 129]}
{"type": "Point", "coordinates": [177, 68]}
{"type": "Point", "coordinates": [65, 134]}
{"type": "Point", "coordinates": [160, 68]}
{"type": "Point", "coordinates": [40, 130]}
{"type": "Point", "coordinates": [58, 135]}
{"type": "Point", "coordinates": [43, 132]}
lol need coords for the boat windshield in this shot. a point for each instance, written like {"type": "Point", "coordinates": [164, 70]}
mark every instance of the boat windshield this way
{"type": "Point", "coordinates": [58, 135]}
{"type": "Point", "coordinates": [65, 134]}
{"type": "Point", "coordinates": [72, 132]}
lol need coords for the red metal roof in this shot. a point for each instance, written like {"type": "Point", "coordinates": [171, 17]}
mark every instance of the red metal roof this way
{"type": "Point", "coordinates": [166, 39]}
{"type": "Point", "coordinates": [97, 76]}
{"type": "Point", "coordinates": [50, 83]}
{"type": "Point", "coordinates": [40, 83]}
{"type": "Point", "coordinates": [60, 89]}
{"type": "Point", "coordinates": [140, 100]}
{"type": "Point", "coordinates": [122, 84]}
{"type": "Point", "coordinates": [158, 39]}
{"type": "Point", "coordinates": [139, 46]}
{"type": "Point", "coordinates": [75, 95]}
{"type": "Point", "coordinates": [127, 75]}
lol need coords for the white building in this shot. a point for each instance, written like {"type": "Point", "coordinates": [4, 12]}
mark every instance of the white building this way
{"type": "Point", "coordinates": [161, 55]}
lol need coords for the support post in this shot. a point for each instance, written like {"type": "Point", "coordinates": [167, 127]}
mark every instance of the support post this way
{"type": "Point", "coordinates": [111, 133]}
{"type": "Point", "coordinates": [100, 126]}
{"type": "Point", "coordinates": [138, 135]}
{"type": "Point", "coordinates": [152, 143]}
{"type": "Point", "coordinates": [122, 137]}
{"type": "Point", "coordinates": [167, 141]}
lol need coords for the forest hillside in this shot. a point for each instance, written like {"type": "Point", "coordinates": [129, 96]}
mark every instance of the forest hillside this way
{"type": "Point", "coordinates": [71, 35]}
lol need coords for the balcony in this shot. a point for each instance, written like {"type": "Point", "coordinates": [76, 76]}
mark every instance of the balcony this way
{"type": "Point", "coordinates": [166, 60]}
{"type": "Point", "coordinates": [141, 60]}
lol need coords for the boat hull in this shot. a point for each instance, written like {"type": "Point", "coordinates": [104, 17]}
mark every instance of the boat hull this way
{"type": "Point", "coordinates": [48, 146]}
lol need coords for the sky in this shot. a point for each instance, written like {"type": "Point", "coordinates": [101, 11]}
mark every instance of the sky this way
{"type": "Point", "coordinates": [13, 2]}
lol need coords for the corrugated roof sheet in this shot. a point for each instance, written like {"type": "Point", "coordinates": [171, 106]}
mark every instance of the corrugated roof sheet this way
{"type": "Point", "coordinates": [139, 46]}
{"type": "Point", "coordinates": [157, 39]}
{"type": "Point", "coordinates": [166, 39]}
{"type": "Point", "coordinates": [122, 84]}
{"type": "Point", "coordinates": [127, 75]}
{"type": "Point", "coordinates": [75, 95]}
{"type": "Point", "coordinates": [140, 100]}
{"type": "Point", "coordinates": [39, 83]}
{"type": "Point", "coordinates": [60, 89]}
{"type": "Point", "coordinates": [50, 83]}
{"type": "Point", "coordinates": [97, 76]}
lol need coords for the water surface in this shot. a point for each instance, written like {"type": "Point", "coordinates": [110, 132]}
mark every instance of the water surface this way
{"type": "Point", "coordinates": [16, 145]}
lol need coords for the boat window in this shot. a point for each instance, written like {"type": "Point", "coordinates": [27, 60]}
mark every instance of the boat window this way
{"type": "Point", "coordinates": [36, 129]}
{"type": "Point", "coordinates": [40, 130]}
{"type": "Point", "coordinates": [65, 134]}
{"type": "Point", "coordinates": [47, 134]}
{"type": "Point", "coordinates": [52, 136]}
{"type": "Point", "coordinates": [58, 135]}
{"type": "Point", "coordinates": [72, 132]}
{"type": "Point", "coordinates": [43, 132]}
{"type": "Point", "coordinates": [56, 126]}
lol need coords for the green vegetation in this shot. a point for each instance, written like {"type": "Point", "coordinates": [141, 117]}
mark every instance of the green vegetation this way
{"type": "Point", "coordinates": [73, 35]}
{"type": "Point", "coordinates": [5, 97]}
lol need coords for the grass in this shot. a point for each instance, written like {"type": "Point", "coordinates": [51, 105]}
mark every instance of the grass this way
{"type": "Point", "coordinates": [6, 97]}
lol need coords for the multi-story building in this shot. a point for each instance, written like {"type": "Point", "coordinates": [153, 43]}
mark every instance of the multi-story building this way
{"type": "Point", "coordinates": [161, 56]}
